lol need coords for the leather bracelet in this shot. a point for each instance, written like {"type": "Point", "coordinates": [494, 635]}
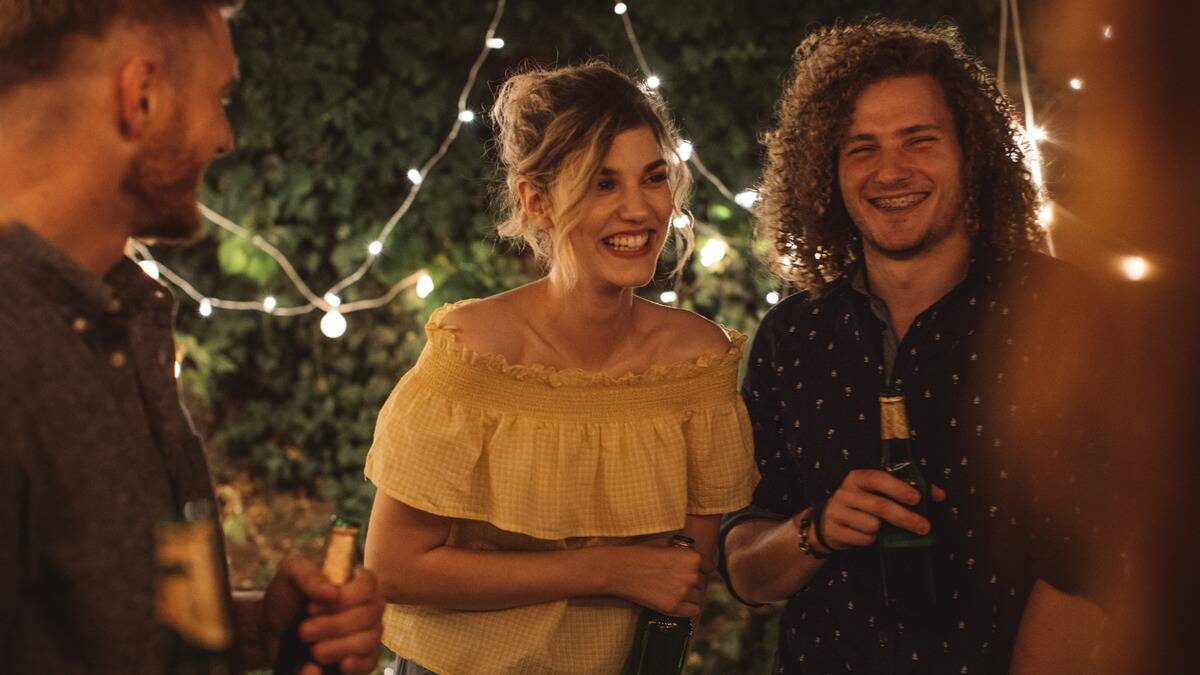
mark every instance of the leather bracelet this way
{"type": "Point", "coordinates": [805, 548]}
{"type": "Point", "coordinates": [818, 510]}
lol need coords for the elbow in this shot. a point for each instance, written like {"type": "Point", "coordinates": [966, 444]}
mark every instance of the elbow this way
{"type": "Point", "coordinates": [741, 580]}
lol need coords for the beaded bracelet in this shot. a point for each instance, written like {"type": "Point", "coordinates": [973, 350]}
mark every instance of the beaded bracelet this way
{"type": "Point", "coordinates": [805, 547]}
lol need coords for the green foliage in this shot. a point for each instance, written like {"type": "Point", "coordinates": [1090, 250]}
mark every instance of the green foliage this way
{"type": "Point", "coordinates": [339, 98]}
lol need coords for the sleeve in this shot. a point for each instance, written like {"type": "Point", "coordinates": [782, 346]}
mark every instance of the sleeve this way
{"type": "Point", "coordinates": [14, 516]}
{"type": "Point", "coordinates": [720, 471]}
{"type": "Point", "coordinates": [777, 472]}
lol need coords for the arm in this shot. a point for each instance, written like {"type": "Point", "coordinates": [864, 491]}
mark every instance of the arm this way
{"type": "Point", "coordinates": [1059, 633]}
{"type": "Point", "coordinates": [407, 548]}
{"type": "Point", "coordinates": [764, 561]}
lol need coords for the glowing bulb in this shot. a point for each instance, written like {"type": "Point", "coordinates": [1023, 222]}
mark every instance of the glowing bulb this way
{"type": "Point", "coordinates": [206, 307]}
{"type": "Point", "coordinates": [685, 150]}
{"type": "Point", "coordinates": [333, 324]}
{"type": "Point", "coordinates": [1076, 83]}
{"type": "Point", "coordinates": [772, 298]}
{"type": "Point", "coordinates": [681, 221]}
{"type": "Point", "coordinates": [746, 198]}
{"type": "Point", "coordinates": [375, 247]}
{"type": "Point", "coordinates": [1037, 134]}
{"type": "Point", "coordinates": [149, 267]}
{"type": "Point", "coordinates": [424, 286]}
{"type": "Point", "coordinates": [178, 369]}
{"type": "Point", "coordinates": [653, 82]}
{"type": "Point", "coordinates": [1107, 32]}
{"type": "Point", "coordinates": [466, 116]}
{"type": "Point", "coordinates": [415, 175]}
{"type": "Point", "coordinates": [1035, 170]}
{"type": "Point", "coordinates": [269, 304]}
{"type": "Point", "coordinates": [620, 8]}
{"type": "Point", "coordinates": [713, 252]}
{"type": "Point", "coordinates": [1045, 216]}
{"type": "Point", "coordinates": [1135, 267]}
{"type": "Point", "coordinates": [668, 297]}
{"type": "Point", "coordinates": [495, 43]}
{"type": "Point", "coordinates": [332, 300]}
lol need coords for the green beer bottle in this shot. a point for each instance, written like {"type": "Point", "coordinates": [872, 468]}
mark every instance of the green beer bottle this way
{"type": "Point", "coordinates": [191, 600]}
{"type": "Point", "coordinates": [340, 554]}
{"type": "Point", "coordinates": [660, 642]}
{"type": "Point", "coordinates": [906, 560]}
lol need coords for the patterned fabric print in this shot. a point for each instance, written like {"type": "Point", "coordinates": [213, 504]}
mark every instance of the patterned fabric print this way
{"type": "Point", "coordinates": [812, 385]}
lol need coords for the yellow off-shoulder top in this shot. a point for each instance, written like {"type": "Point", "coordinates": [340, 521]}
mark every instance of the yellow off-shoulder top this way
{"type": "Point", "coordinates": [531, 458]}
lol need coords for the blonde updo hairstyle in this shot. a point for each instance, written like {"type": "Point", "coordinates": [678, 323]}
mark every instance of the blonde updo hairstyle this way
{"type": "Point", "coordinates": [554, 127]}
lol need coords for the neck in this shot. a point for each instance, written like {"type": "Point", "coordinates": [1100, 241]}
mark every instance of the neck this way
{"type": "Point", "coordinates": [910, 286]}
{"type": "Point", "coordinates": [586, 320]}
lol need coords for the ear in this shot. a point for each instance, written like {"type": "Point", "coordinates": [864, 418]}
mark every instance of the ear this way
{"type": "Point", "coordinates": [139, 96]}
{"type": "Point", "coordinates": [534, 204]}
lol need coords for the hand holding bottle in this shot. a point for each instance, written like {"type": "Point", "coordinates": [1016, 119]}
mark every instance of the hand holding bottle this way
{"type": "Point", "coordinates": [864, 501]}
{"type": "Point", "coordinates": [666, 579]}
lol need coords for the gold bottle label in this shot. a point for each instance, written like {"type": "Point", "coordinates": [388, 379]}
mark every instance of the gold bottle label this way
{"type": "Point", "coordinates": [189, 596]}
{"type": "Point", "coordinates": [893, 419]}
{"type": "Point", "coordinates": [339, 555]}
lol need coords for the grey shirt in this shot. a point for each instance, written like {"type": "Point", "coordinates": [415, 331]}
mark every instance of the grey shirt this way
{"type": "Point", "coordinates": [95, 450]}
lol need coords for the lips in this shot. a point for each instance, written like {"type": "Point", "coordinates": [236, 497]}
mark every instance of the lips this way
{"type": "Point", "coordinates": [899, 202]}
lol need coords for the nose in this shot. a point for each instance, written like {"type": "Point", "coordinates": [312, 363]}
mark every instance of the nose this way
{"type": "Point", "coordinates": [226, 140]}
{"type": "Point", "coordinates": [634, 206]}
{"type": "Point", "coordinates": [893, 167]}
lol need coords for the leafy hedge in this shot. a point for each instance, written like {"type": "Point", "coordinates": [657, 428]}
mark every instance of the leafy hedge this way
{"type": "Point", "coordinates": [339, 98]}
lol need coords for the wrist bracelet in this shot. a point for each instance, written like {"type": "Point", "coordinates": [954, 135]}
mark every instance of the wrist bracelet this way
{"type": "Point", "coordinates": [805, 523]}
{"type": "Point", "coordinates": [817, 512]}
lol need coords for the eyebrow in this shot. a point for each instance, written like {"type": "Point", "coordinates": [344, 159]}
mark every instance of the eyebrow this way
{"type": "Point", "coordinates": [906, 131]}
{"type": "Point", "coordinates": [606, 171]}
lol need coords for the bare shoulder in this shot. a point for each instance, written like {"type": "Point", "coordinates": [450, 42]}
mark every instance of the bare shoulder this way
{"type": "Point", "coordinates": [493, 325]}
{"type": "Point", "coordinates": [687, 336]}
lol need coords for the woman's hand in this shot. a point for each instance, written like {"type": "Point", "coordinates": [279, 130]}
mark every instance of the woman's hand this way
{"type": "Point", "coordinates": [666, 579]}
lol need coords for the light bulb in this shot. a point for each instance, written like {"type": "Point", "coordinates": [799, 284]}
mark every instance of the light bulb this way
{"type": "Point", "coordinates": [415, 175]}
{"type": "Point", "coordinates": [206, 307]}
{"type": "Point", "coordinates": [713, 252]}
{"type": "Point", "coordinates": [1045, 216]}
{"type": "Point", "coordinates": [685, 150]}
{"type": "Point", "coordinates": [772, 298]}
{"type": "Point", "coordinates": [620, 8]}
{"type": "Point", "coordinates": [149, 267]}
{"type": "Point", "coordinates": [496, 43]}
{"type": "Point", "coordinates": [375, 247]}
{"type": "Point", "coordinates": [1076, 83]}
{"type": "Point", "coordinates": [746, 198]}
{"type": "Point", "coordinates": [178, 369]}
{"type": "Point", "coordinates": [333, 324]}
{"type": "Point", "coordinates": [466, 116]}
{"type": "Point", "coordinates": [1135, 267]}
{"type": "Point", "coordinates": [653, 82]}
{"type": "Point", "coordinates": [1037, 134]}
{"type": "Point", "coordinates": [269, 304]}
{"type": "Point", "coordinates": [681, 221]}
{"type": "Point", "coordinates": [332, 300]}
{"type": "Point", "coordinates": [424, 286]}
{"type": "Point", "coordinates": [668, 297]}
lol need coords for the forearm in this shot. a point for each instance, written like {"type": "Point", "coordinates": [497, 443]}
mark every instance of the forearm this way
{"type": "Point", "coordinates": [464, 579]}
{"type": "Point", "coordinates": [1059, 633]}
{"type": "Point", "coordinates": [250, 649]}
{"type": "Point", "coordinates": [764, 560]}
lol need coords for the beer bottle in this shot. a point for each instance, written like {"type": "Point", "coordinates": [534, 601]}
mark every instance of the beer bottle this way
{"type": "Point", "coordinates": [906, 557]}
{"type": "Point", "coordinates": [660, 642]}
{"type": "Point", "coordinates": [340, 554]}
{"type": "Point", "coordinates": [191, 599]}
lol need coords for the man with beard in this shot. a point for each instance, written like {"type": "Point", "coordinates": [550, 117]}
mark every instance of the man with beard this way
{"type": "Point", "coordinates": [896, 197]}
{"type": "Point", "coordinates": [111, 111]}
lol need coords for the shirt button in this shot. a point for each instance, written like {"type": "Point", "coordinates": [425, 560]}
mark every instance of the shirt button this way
{"type": "Point", "coordinates": [79, 325]}
{"type": "Point", "coordinates": [114, 306]}
{"type": "Point", "coordinates": [117, 359]}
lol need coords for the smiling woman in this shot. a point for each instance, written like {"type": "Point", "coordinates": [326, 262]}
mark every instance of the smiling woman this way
{"type": "Point", "coordinates": [549, 438]}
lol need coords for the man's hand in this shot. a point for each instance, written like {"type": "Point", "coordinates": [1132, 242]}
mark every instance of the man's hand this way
{"type": "Point", "coordinates": [865, 499]}
{"type": "Point", "coordinates": [344, 624]}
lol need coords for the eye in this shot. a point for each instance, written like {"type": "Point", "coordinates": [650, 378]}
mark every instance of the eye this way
{"type": "Point", "coordinates": [860, 150]}
{"type": "Point", "coordinates": [923, 141]}
{"type": "Point", "coordinates": [606, 185]}
{"type": "Point", "coordinates": [659, 177]}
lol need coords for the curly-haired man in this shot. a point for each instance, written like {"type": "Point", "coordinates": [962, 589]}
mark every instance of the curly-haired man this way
{"type": "Point", "coordinates": [111, 110]}
{"type": "Point", "coordinates": [897, 198]}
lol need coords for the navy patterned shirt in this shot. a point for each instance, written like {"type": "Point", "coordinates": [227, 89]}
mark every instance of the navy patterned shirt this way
{"type": "Point", "coordinates": [1009, 450]}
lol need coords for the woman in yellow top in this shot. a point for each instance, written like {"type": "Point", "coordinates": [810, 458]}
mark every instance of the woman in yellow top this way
{"type": "Point", "coordinates": [532, 463]}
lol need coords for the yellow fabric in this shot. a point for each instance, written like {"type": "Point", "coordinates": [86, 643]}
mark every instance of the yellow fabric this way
{"type": "Point", "coordinates": [535, 458]}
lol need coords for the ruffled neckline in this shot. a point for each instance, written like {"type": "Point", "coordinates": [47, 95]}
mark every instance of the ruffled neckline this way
{"type": "Point", "coordinates": [445, 338]}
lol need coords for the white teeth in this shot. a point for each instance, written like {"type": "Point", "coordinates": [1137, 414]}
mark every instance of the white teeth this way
{"type": "Point", "coordinates": [901, 202]}
{"type": "Point", "coordinates": [628, 242]}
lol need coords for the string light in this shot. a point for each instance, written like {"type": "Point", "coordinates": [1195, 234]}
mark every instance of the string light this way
{"type": "Point", "coordinates": [206, 307]}
{"type": "Point", "coordinates": [668, 297]}
{"type": "Point", "coordinates": [495, 43]}
{"type": "Point", "coordinates": [684, 150]}
{"type": "Point", "coordinates": [424, 286]}
{"type": "Point", "coordinates": [466, 116]}
{"type": "Point", "coordinates": [1038, 134]}
{"type": "Point", "coordinates": [652, 82]}
{"type": "Point", "coordinates": [375, 247]}
{"type": "Point", "coordinates": [746, 198]}
{"type": "Point", "coordinates": [681, 221]}
{"type": "Point", "coordinates": [1075, 83]}
{"type": "Point", "coordinates": [1135, 267]}
{"type": "Point", "coordinates": [713, 252]}
{"type": "Point", "coordinates": [332, 300]}
{"type": "Point", "coordinates": [1045, 216]}
{"type": "Point", "coordinates": [269, 304]}
{"type": "Point", "coordinates": [414, 175]}
{"type": "Point", "coordinates": [620, 8]}
{"type": "Point", "coordinates": [333, 324]}
{"type": "Point", "coordinates": [150, 268]}
{"type": "Point", "coordinates": [1107, 32]}
{"type": "Point", "coordinates": [772, 298]}
{"type": "Point", "coordinates": [178, 369]}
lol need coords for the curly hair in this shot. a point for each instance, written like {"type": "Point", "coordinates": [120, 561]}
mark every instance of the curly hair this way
{"type": "Point", "coordinates": [553, 129]}
{"type": "Point", "coordinates": [800, 210]}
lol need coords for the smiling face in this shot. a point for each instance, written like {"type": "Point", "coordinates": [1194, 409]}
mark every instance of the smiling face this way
{"type": "Point", "coordinates": [900, 167]}
{"type": "Point", "coordinates": [624, 221]}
